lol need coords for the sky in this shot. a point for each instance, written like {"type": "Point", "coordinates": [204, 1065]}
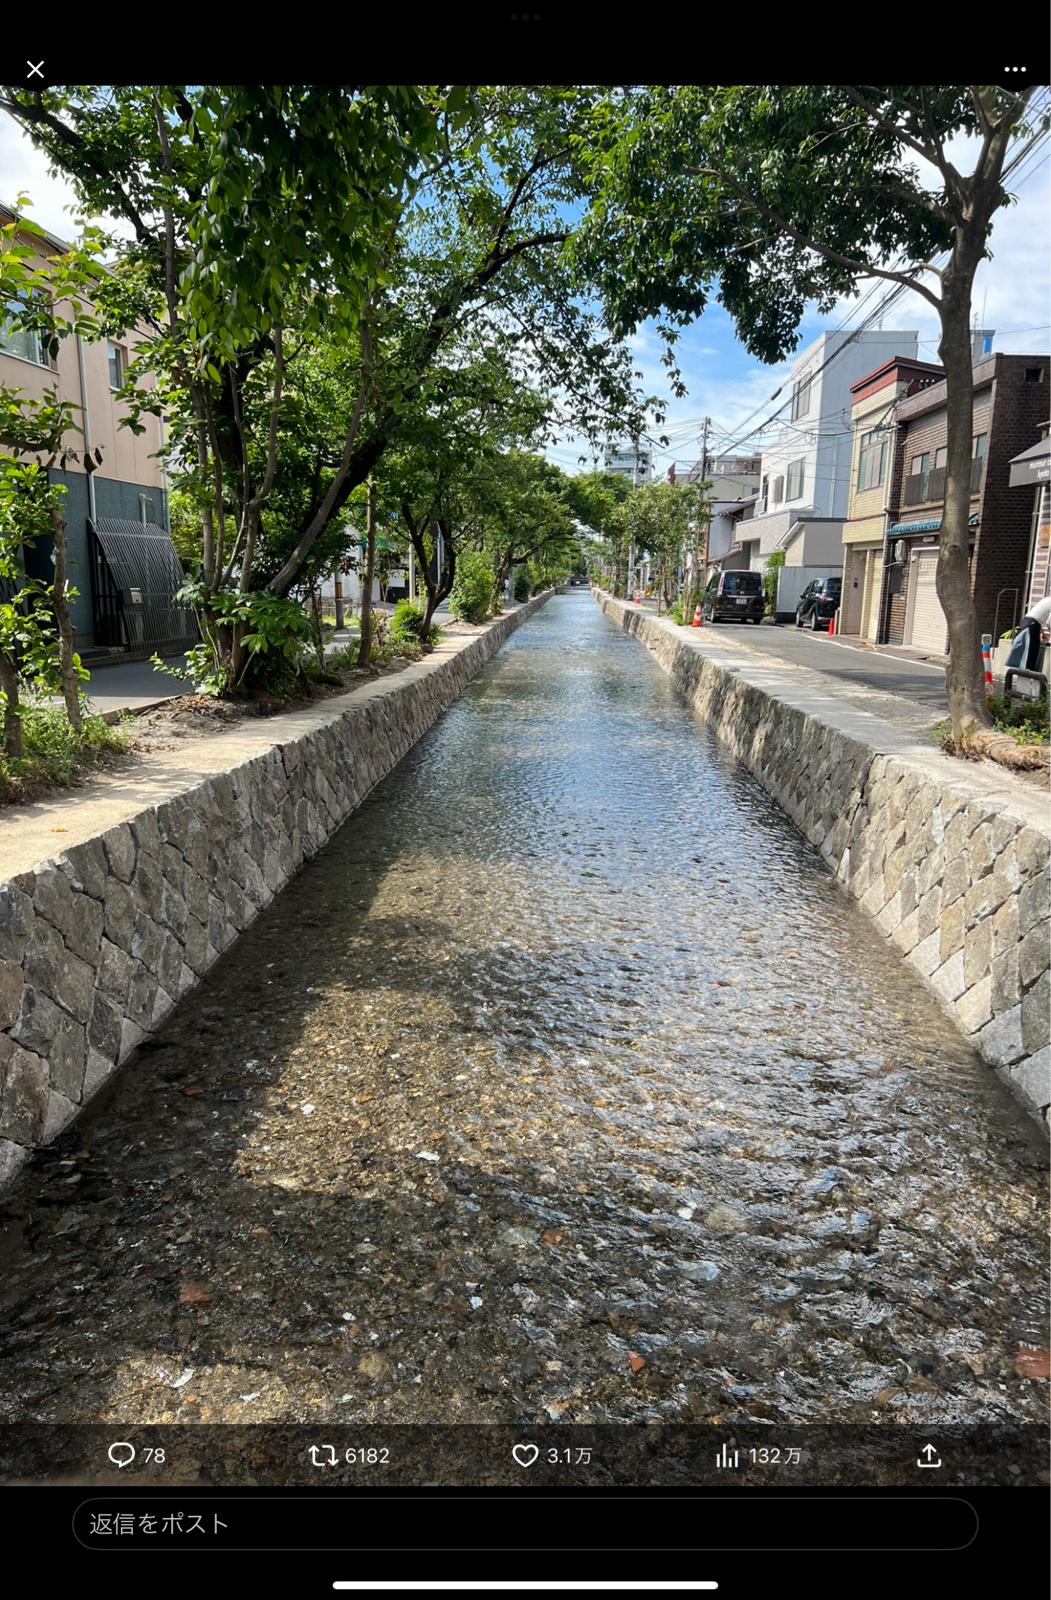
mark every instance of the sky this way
{"type": "Point", "coordinates": [1012, 297]}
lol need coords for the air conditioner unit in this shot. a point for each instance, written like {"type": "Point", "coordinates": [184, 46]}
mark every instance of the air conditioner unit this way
{"type": "Point", "coordinates": [899, 549]}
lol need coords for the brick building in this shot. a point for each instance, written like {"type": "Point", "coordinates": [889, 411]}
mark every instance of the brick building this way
{"type": "Point", "coordinates": [1010, 400]}
{"type": "Point", "coordinates": [873, 401]}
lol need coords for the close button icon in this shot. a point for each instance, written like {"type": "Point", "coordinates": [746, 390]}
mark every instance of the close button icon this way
{"type": "Point", "coordinates": [34, 69]}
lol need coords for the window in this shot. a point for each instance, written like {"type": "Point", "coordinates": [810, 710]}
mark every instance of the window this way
{"type": "Point", "coordinates": [779, 490]}
{"type": "Point", "coordinates": [742, 582]}
{"type": "Point", "coordinates": [978, 444]}
{"type": "Point", "coordinates": [939, 457]}
{"type": "Point", "coordinates": [795, 479]}
{"type": "Point", "coordinates": [920, 465]}
{"type": "Point", "coordinates": [24, 343]}
{"type": "Point", "coordinates": [766, 492]}
{"type": "Point", "coordinates": [801, 398]}
{"type": "Point", "coordinates": [872, 461]}
{"type": "Point", "coordinates": [115, 357]}
{"type": "Point", "coordinates": [1034, 374]}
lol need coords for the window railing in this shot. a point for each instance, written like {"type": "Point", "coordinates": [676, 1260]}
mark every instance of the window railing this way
{"type": "Point", "coordinates": [915, 492]}
{"type": "Point", "coordinates": [924, 488]}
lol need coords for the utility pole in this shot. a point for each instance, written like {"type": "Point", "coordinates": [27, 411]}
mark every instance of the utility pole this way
{"type": "Point", "coordinates": [338, 584]}
{"type": "Point", "coordinates": [696, 562]}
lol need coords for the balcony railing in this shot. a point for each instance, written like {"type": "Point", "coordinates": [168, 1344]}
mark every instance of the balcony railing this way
{"type": "Point", "coordinates": [927, 488]}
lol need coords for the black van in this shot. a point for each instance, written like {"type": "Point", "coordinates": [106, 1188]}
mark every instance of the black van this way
{"type": "Point", "coordinates": [734, 597]}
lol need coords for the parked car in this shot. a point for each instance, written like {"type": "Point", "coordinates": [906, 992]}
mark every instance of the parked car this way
{"type": "Point", "coordinates": [734, 597]}
{"type": "Point", "coordinates": [819, 603]}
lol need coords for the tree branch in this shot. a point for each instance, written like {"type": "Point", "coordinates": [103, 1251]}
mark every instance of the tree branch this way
{"type": "Point", "coordinates": [865, 268]}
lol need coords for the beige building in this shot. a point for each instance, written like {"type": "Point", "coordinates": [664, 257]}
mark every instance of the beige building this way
{"type": "Point", "coordinates": [122, 564]}
{"type": "Point", "coordinates": [873, 402]}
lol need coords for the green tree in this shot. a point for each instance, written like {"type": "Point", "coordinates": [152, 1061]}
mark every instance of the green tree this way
{"type": "Point", "coordinates": [528, 517]}
{"type": "Point", "coordinates": [599, 501]}
{"type": "Point", "coordinates": [47, 295]}
{"type": "Point", "coordinates": [388, 220]}
{"type": "Point", "coordinates": [472, 590]}
{"type": "Point", "coordinates": [661, 519]}
{"type": "Point", "coordinates": [791, 195]}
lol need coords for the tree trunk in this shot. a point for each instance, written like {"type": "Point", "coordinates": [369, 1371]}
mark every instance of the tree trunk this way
{"type": "Point", "coordinates": [66, 635]}
{"type": "Point", "coordinates": [365, 646]}
{"type": "Point", "coordinates": [12, 719]}
{"type": "Point", "coordinates": [964, 680]}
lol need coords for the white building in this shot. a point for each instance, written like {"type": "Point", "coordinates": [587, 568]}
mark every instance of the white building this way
{"type": "Point", "coordinates": [629, 463]}
{"type": "Point", "coordinates": [805, 474]}
{"type": "Point", "coordinates": [731, 477]}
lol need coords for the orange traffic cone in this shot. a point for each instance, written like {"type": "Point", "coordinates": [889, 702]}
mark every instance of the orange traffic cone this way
{"type": "Point", "coordinates": [697, 618]}
{"type": "Point", "coordinates": [832, 623]}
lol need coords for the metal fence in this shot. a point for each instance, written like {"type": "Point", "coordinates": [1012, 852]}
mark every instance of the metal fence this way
{"type": "Point", "coordinates": [134, 576]}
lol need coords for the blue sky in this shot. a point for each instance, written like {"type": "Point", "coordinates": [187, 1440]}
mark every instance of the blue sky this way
{"type": "Point", "coordinates": [1012, 296]}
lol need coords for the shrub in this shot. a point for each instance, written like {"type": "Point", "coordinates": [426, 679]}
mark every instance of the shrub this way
{"type": "Point", "coordinates": [771, 568]}
{"type": "Point", "coordinates": [675, 612]}
{"type": "Point", "coordinates": [1027, 721]}
{"type": "Point", "coordinates": [407, 621]}
{"type": "Point", "coordinates": [523, 582]}
{"type": "Point", "coordinates": [277, 633]}
{"type": "Point", "coordinates": [472, 593]}
{"type": "Point", "coordinates": [53, 752]}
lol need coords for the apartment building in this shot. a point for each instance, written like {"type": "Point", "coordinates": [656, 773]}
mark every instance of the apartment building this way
{"type": "Point", "coordinates": [804, 479]}
{"type": "Point", "coordinates": [121, 560]}
{"type": "Point", "coordinates": [731, 477]}
{"type": "Point", "coordinates": [626, 462]}
{"type": "Point", "coordinates": [1010, 401]}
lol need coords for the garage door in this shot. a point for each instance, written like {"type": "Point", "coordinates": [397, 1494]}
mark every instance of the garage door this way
{"type": "Point", "coordinates": [928, 619]}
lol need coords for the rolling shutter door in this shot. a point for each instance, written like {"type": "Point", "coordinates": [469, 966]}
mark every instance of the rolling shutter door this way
{"type": "Point", "coordinates": [928, 620]}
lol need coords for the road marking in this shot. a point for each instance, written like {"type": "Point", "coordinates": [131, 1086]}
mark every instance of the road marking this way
{"type": "Point", "coordinates": [905, 661]}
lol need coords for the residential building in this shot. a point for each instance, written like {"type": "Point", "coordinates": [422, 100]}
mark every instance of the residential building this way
{"type": "Point", "coordinates": [1010, 402]}
{"type": "Point", "coordinates": [731, 477]}
{"type": "Point", "coordinates": [121, 560]}
{"type": "Point", "coordinates": [629, 462]}
{"type": "Point", "coordinates": [804, 474]}
{"type": "Point", "coordinates": [873, 401]}
{"type": "Point", "coordinates": [725, 551]}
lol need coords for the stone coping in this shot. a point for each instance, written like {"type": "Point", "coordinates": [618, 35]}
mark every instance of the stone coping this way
{"type": "Point", "coordinates": [30, 833]}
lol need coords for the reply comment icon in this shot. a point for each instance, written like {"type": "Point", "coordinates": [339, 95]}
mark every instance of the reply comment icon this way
{"type": "Point", "coordinates": [122, 1454]}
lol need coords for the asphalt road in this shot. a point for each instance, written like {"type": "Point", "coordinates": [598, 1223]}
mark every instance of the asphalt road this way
{"type": "Point", "coordinates": [922, 684]}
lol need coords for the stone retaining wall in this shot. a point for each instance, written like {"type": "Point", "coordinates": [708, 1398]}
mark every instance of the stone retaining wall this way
{"type": "Point", "coordinates": [950, 863]}
{"type": "Point", "coordinates": [98, 945]}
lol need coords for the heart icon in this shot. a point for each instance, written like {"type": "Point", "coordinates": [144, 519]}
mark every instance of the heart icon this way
{"type": "Point", "coordinates": [525, 1454]}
